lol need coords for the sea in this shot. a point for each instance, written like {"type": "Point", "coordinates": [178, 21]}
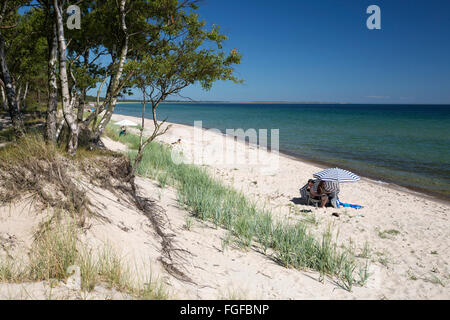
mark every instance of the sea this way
{"type": "Point", "coordinates": [407, 145]}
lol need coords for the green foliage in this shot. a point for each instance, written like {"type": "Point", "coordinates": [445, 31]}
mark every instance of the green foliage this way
{"type": "Point", "coordinates": [166, 47]}
{"type": "Point", "coordinates": [28, 49]}
{"type": "Point", "coordinates": [193, 55]}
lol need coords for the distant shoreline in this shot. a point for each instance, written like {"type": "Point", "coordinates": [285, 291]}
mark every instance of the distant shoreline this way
{"type": "Point", "coordinates": [286, 102]}
{"type": "Point", "coordinates": [231, 102]}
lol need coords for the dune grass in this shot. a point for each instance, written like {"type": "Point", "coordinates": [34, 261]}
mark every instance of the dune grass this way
{"type": "Point", "coordinates": [291, 245]}
{"type": "Point", "coordinates": [57, 248]}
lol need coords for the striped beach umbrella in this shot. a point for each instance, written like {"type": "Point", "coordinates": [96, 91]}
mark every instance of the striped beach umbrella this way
{"type": "Point", "coordinates": [336, 175]}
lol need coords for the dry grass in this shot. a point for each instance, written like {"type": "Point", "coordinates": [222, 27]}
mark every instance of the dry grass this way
{"type": "Point", "coordinates": [33, 167]}
{"type": "Point", "coordinates": [57, 248]}
{"type": "Point", "coordinates": [30, 166]}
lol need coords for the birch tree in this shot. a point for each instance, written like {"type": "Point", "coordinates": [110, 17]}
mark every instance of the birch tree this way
{"type": "Point", "coordinates": [51, 37]}
{"type": "Point", "coordinates": [67, 99]}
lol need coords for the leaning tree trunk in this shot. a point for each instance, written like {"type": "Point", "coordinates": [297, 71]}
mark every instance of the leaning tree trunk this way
{"type": "Point", "coordinates": [82, 103]}
{"type": "Point", "coordinates": [52, 103]}
{"type": "Point", "coordinates": [18, 99]}
{"type": "Point", "coordinates": [11, 96]}
{"type": "Point", "coordinates": [141, 136]}
{"type": "Point", "coordinates": [113, 88]}
{"type": "Point", "coordinates": [24, 98]}
{"type": "Point", "coordinates": [67, 102]}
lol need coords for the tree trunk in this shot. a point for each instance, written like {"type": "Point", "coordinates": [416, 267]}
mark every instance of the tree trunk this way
{"type": "Point", "coordinates": [112, 90]}
{"type": "Point", "coordinates": [67, 102]}
{"type": "Point", "coordinates": [18, 99]}
{"type": "Point", "coordinates": [141, 136]}
{"type": "Point", "coordinates": [4, 103]}
{"type": "Point", "coordinates": [52, 103]}
{"type": "Point", "coordinates": [11, 96]}
{"type": "Point", "coordinates": [59, 128]}
{"type": "Point", "coordinates": [81, 106]}
{"type": "Point", "coordinates": [82, 103]}
{"type": "Point", "coordinates": [156, 132]}
{"type": "Point", "coordinates": [24, 98]}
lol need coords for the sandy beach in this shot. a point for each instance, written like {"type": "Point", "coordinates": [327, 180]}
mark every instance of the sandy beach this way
{"type": "Point", "coordinates": [408, 233]}
{"type": "Point", "coordinates": [404, 236]}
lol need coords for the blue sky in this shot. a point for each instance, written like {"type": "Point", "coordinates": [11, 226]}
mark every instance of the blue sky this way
{"type": "Point", "coordinates": [321, 50]}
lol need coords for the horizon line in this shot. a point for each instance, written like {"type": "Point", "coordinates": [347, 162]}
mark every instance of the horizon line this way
{"type": "Point", "coordinates": [281, 102]}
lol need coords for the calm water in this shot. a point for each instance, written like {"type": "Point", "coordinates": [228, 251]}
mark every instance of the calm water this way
{"type": "Point", "coordinates": [405, 144]}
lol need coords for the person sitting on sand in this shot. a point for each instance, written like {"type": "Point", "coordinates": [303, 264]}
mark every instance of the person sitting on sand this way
{"type": "Point", "coordinates": [176, 142]}
{"type": "Point", "coordinates": [123, 131]}
{"type": "Point", "coordinates": [326, 188]}
{"type": "Point", "coordinates": [318, 192]}
{"type": "Point", "coordinates": [310, 185]}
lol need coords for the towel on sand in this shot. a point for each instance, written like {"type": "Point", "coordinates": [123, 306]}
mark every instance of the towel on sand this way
{"type": "Point", "coordinates": [348, 205]}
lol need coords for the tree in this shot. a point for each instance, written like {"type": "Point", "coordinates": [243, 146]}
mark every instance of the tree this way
{"type": "Point", "coordinates": [51, 36]}
{"type": "Point", "coordinates": [26, 58]}
{"type": "Point", "coordinates": [118, 60]}
{"type": "Point", "coordinates": [8, 15]}
{"type": "Point", "coordinates": [68, 99]}
{"type": "Point", "coordinates": [83, 48]}
{"type": "Point", "coordinates": [136, 26]}
{"type": "Point", "coordinates": [84, 52]}
{"type": "Point", "coordinates": [191, 55]}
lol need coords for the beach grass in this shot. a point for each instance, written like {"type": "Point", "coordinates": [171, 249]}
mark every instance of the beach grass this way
{"type": "Point", "coordinates": [208, 199]}
{"type": "Point", "coordinates": [57, 248]}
